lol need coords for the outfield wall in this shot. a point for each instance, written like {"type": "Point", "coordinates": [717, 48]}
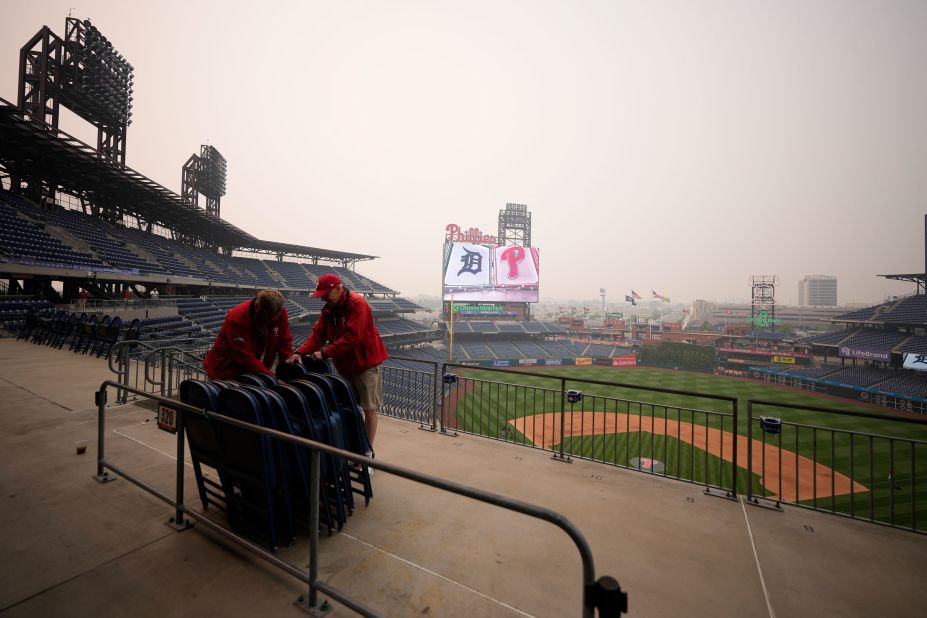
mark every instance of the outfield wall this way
{"type": "Point", "coordinates": [626, 360]}
{"type": "Point", "coordinates": [885, 399]}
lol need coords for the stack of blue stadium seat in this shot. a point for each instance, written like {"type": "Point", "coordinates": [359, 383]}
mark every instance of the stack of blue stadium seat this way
{"type": "Point", "coordinates": [264, 484]}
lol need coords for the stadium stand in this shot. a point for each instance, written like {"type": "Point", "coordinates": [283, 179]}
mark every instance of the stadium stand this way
{"type": "Point", "coordinates": [905, 383]}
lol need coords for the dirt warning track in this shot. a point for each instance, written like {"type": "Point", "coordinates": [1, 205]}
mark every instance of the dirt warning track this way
{"type": "Point", "coordinates": [795, 475]}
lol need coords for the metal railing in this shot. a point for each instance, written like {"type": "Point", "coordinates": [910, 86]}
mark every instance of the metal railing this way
{"type": "Point", "coordinates": [603, 593]}
{"type": "Point", "coordinates": [588, 419]}
{"type": "Point", "coordinates": [845, 470]}
{"type": "Point", "coordinates": [411, 393]}
{"type": "Point", "coordinates": [156, 366]}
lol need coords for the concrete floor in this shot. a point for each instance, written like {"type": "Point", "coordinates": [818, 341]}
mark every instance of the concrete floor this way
{"type": "Point", "coordinates": [70, 546]}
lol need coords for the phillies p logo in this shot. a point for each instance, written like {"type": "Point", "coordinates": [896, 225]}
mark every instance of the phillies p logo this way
{"type": "Point", "coordinates": [513, 255]}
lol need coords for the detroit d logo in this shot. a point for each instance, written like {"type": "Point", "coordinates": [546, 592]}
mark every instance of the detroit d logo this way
{"type": "Point", "coordinates": [472, 262]}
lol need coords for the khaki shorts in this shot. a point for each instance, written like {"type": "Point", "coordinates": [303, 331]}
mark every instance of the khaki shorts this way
{"type": "Point", "coordinates": [368, 387]}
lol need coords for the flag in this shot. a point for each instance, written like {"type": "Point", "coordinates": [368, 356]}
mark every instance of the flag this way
{"type": "Point", "coordinates": [630, 299]}
{"type": "Point", "coordinates": [666, 299]}
{"type": "Point", "coordinates": [655, 295]}
{"type": "Point", "coordinates": [635, 294]}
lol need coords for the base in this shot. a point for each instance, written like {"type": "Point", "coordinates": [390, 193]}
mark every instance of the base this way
{"type": "Point", "coordinates": [324, 608]}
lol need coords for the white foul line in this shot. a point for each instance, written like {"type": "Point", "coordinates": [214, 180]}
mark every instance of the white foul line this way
{"type": "Point", "coordinates": [756, 557]}
{"type": "Point", "coordinates": [439, 576]}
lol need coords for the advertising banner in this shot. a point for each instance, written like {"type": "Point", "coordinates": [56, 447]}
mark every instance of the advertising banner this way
{"type": "Point", "coordinates": [865, 354]}
{"type": "Point", "coordinates": [918, 362]}
{"type": "Point", "coordinates": [626, 360]}
{"type": "Point", "coordinates": [551, 362]}
{"type": "Point", "coordinates": [786, 360]}
{"type": "Point", "coordinates": [583, 361]}
{"type": "Point", "coordinates": [530, 362]}
{"type": "Point", "coordinates": [502, 363]}
{"type": "Point", "coordinates": [479, 273]}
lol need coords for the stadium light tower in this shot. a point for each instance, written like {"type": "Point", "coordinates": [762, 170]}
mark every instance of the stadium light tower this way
{"type": "Point", "coordinates": [602, 294]}
{"type": "Point", "coordinates": [763, 302]}
{"type": "Point", "coordinates": [515, 225]}
{"type": "Point", "coordinates": [204, 173]}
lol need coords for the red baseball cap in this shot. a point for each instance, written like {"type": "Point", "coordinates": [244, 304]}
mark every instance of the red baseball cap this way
{"type": "Point", "coordinates": [326, 282]}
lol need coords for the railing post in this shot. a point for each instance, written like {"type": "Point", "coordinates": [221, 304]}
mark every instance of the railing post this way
{"type": "Point", "coordinates": [178, 522]}
{"type": "Point", "coordinates": [438, 385]}
{"type": "Point", "coordinates": [750, 450]}
{"type": "Point", "coordinates": [123, 373]}
{"type": "Point", "coordinates": [560, 456]}
{"type": "Point", "coordinates": [734, 453]}
{"type": "Point", "coordinates": [310, 602]}
{"type": "Point", "coordinates": [163, 371]}
{"type": "Point", "coordinates": [440, 379]}
{"type": "Point", "coordinates": [102, 475]}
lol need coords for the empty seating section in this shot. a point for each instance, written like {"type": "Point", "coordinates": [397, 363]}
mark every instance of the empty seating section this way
{"type": "Point", "coordinates": [475, 351]}
{"type": "Point", "coordinates": [128, 249]}
{"type": "Point", "coordinates": [599, 350]}
{"type": "Point", "coordinates": [860, 314]}
{"type": "Point", "coordinates": [530, 349]}
{"type": "Point", "coordinates": [97, 236]}
{"type": "Point", "coordinates": [556, 349]}
{"type": "Point", "coordinates": [163, 250]}
{"type": "Point", "coordinates": [872, 339]}
{"type": "Point", "coordinates": [505, 350]}
{"type": "Point", "coordinates": [256, 271]}
{"type": "Point", "coordinates": [510, 327]}
{"type": "Point", "coordinates": [859, 376]}
{"type": "Point", "coordinates": [28, 243]}
{"type": "Point", "coordinates": [911, 310]}
{"type": "Point", "coordinates": [906, 384]}
{"type": "Point", "coordinates": [206, 315]}
{"type": "Point", "coordinates": [173, 327]}
{"type": "Point", "coordinates": [814, 372]}
{"type": "Point", "coordinates": [294, 274]}
{"type": "Point", "coordinates": [828, 338]}
{"type": "Point", "coordinates": [916, 344]}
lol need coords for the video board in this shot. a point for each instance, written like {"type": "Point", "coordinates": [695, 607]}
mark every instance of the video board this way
{"type": "Point", "coordinates": [490, 273]}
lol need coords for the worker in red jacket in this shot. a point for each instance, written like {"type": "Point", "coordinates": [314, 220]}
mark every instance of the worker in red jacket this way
{"type": "Point", "coordinates": [254, 335]}
{"type": "Point", "coordinates": [354, 345]}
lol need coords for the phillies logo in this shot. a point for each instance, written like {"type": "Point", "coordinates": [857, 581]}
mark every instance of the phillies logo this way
{"type": "Point", "coordinates": [513, 255]}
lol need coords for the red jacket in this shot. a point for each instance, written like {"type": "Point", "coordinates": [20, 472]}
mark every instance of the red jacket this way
{"type": "Point", "coordinates": [241, 348]}
{"type": "Point", "coordinates": [354, 344]}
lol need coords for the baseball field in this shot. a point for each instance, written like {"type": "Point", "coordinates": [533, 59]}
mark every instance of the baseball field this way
{"type": "Point", "coordinates": [872, 468]}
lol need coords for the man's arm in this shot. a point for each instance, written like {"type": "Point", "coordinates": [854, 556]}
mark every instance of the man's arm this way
{"type": "Point", "coordinates": [350, 334]}
{"type": "Point", "coordinates": [315, 340]}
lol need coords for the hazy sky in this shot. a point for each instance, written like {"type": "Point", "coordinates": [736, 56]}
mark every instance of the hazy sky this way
{"type": "Point", "coordinates": [680, 146]}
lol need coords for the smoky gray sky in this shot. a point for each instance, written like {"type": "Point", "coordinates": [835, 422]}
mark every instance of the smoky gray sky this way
{"type": "Point", "coordinates": [679, 146]}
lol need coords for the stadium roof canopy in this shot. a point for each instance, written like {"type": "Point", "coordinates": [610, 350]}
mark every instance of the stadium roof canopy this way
{"type": "Point", "coordinates": [36, 151]}
{"type": "Point", "coordinates": [920, 279]}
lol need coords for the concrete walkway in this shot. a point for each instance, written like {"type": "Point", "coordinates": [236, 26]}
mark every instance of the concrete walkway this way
{"type": "Point", "coordinates": [72, 547]}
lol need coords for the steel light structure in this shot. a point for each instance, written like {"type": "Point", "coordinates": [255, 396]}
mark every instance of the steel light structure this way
{"type": "Point", "coordinates": [205, 173]}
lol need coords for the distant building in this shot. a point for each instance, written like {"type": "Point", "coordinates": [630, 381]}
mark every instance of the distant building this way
{"type": "Point", "coordinates": [817, 291]}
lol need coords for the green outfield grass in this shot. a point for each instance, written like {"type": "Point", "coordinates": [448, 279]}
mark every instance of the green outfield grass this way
{"type": "Point", "coordinates": [487, 401]}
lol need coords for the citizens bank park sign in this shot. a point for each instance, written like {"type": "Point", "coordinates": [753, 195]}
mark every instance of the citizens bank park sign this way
{"type": "Point", "coordinates": [474, 235]}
